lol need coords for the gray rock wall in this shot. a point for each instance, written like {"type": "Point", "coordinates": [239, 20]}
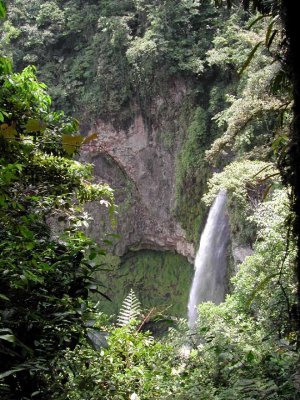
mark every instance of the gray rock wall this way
{"type": "Point", "coordinates": [141, 170]}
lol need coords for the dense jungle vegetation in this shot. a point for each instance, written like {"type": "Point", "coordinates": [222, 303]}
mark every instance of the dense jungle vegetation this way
{"type": "Point", "coordinates": [98, 59]}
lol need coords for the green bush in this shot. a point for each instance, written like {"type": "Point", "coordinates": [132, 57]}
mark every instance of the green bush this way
{"type": "Point", "coordinates": [133, 366]}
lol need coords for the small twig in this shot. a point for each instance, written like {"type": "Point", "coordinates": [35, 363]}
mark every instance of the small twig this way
{"type": "Point", "coordinates": [146, 319]}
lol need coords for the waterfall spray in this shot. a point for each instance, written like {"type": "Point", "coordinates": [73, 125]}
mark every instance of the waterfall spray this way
{"type": "Point", "coordinates": [209, 282]}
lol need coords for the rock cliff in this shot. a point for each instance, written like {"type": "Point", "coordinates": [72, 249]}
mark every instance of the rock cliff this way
{"type": "Point", "coordinates": [141, 169]}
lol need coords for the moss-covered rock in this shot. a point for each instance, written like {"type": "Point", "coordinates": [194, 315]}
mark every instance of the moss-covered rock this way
{"type": "Point", "coordinates": [159, 279]}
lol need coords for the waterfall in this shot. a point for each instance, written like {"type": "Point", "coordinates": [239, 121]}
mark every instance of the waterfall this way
{"type": "Point", "coordinates": [209, 282]}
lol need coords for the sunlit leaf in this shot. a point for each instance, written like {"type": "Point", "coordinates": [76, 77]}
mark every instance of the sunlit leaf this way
{"type": "Point", "coordinates": [8, 338]}
{"type": "Point", "coordinates": [71, 143]}
{"type": "Point", "coordinates": [8, 131]}
{"type": "Point", "coordinates": [35, 125]}
{"type": "Point", "coordinates": [5, 66]}
{"type": "Point", "coordinates": [2, 9]}
{"type": "Point", "coordinates": [88, 139]}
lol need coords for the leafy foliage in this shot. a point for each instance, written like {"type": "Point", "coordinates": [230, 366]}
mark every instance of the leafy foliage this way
{"type": "Point", "coordinates": [133, 366]}
{"type": "Point", "coordinates": [45, 277]}
{"type": "Point", "coordinates": [270, 268]}
{"type": "Point", "coordinates": [260, 110]}
{"type": "Point", "coordinates": [2, 9]}
{"type": "Point", "coordinates": [120, 49]}
{"type": "Point", "coordinates": [247, 184]}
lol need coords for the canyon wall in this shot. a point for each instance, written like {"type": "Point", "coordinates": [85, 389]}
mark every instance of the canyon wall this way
{"type": "Point", "coordinates": [141, 168]}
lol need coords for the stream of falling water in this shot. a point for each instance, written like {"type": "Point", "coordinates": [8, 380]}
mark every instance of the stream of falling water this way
{"type": "Point", "coordinates": [209, 282]}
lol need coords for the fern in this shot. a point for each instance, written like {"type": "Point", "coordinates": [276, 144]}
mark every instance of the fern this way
{"type": "Point", "coordinates": [130, 309]}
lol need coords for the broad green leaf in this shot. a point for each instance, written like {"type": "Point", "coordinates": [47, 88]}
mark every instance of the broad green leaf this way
{"type": "Point", "coordinates": [5, 66]}
{"type": "Point", "coordinates": [88, 139]}
{"type": "Point", "coordinates": [8, 131]}
{"type": "Point", "coordinates": [29, 245]}
{"type": "Point", "coordinates": [8, 338]}
{"type": "Point", "coordinates": [35, 125]}
{"type": "Point", "coordinates": [2, 9]}
{"type": "Point", "coordinates": [71, 143]}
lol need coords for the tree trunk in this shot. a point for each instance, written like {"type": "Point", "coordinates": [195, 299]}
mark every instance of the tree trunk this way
{"type": "Point", "coordinates": [291, 173]}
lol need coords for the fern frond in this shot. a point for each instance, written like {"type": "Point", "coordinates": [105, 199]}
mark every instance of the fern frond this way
{"type": "Point", "coordinates": [130, 309]}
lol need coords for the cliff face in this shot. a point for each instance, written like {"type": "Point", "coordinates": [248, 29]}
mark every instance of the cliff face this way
{"type": "Point", "coordinates": [140, 167]}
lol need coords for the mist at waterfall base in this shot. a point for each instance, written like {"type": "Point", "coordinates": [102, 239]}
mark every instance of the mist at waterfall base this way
{"type": "Point", "coordinates": [209, 282]}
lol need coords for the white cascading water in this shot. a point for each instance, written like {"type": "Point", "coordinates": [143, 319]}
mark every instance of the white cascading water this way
{"type": "Point", "coordinates": [209, 282]}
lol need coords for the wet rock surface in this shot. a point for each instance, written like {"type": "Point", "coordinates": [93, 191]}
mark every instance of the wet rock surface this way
{"type": "Point", "coordinates": [141, 170]}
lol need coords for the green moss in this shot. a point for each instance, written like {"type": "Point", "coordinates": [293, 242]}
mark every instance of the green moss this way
{"type": "Point", "coordinates": [191, 175]}
{"type": "Point", "coordinates": [159, 279]}
{"type": "Point", "coordinates": [192, 169]}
